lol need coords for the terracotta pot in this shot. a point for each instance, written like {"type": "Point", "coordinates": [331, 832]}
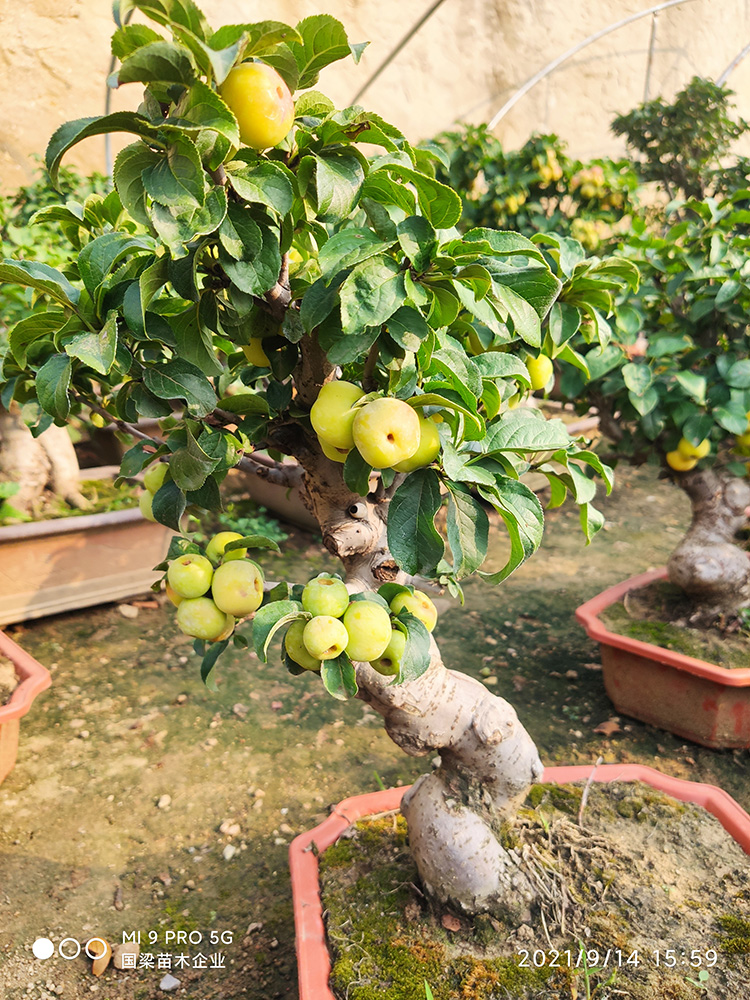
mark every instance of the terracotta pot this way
{"type": "Point", "coordinates": [33, 679]}
{"type": "Point", "coordinates": [686, 696]}
{"type": "Point", "coordinates": [313, 960]}
{"type": "Point", "coordinates": [74, 562]}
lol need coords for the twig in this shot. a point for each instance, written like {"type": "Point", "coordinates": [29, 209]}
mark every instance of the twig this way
{"type": "Point", "coordinates": [120, 424]}
{"type": "Point", "coordinates": [280, 296]}
{"type": "Point", "coordinates": [368, 374]}
{"type": "Point", "coordinates": [273, 472]}
{"type": "Point", "coordinates": [584, 797]}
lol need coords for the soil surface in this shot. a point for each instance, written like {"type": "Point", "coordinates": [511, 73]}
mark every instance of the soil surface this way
{"type": "Point", "coordinates": [133, 779]}
{"type": "Point", "coordinates": [636, 891]}
{"type": "Point", "coordinates": [8, 680]}
{"type": "Point", "coordinates": [661, 614]}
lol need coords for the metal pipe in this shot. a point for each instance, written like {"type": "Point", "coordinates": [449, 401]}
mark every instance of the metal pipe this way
{"type": "Point", "coordinates": [649, 64]}
{"type": "Point", "coordinates": [394, 52]}
{"type": "Point", "coordinates": [108, 104]}
{"type": "Point", "coordinates": [733, 65]}
{"type": "Point", "coordinates": [550, 67]}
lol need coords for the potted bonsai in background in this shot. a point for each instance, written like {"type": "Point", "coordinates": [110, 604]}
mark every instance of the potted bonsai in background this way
{"type": "Point", "coordinates": [265, 290]}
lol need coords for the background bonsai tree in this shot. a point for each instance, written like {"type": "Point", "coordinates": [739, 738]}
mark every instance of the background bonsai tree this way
{"type": "Point", "coordinates": [264, 289]}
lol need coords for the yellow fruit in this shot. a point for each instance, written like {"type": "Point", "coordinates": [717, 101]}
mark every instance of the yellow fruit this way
{"type": "Point", "coordinates": [417, 604]}
{"type": "Point", "coordinates": [261, 102]}
{"type": "Point", "coordinates": [172, 594]}
{"type": "Point", "coordinates": [540, 371]}
{"type": "Point", "coordinates": [145, 503]}
{"type": "Point", "coordinates": [200, 617]}
{"type": "Point", "coordinates": [97, 420]}
{"type": "Point", "coordinates": [325, 596]}
{"type": "Point", "coordinates": [389, 663]}
{"type": "Point", "coordinates": [215, 548]}
{"type": "Point", "coordinates": [677, 461]}
{"type": "Point", "coordinates": [428, 450]}
{"type": "Point", "coordinates": [688, 450]}
{"type": "Point", "coordinates": [237, 587]}
{"type": "Point", "coordinates": [190, 575]}
{"type": "Point", "coordinates": [743, 439]}
{"type": "Point", "coordinates": [255, 354]}
{"type": "Point", "coordinates": [369, 629]}
{"type": "Point", "coordinates": [332, 415]}
{"type": "Point", "coordinates": [228, 629]}
{"type": "Point", "coordinates": [386, 432]}
{"type": "Point", "coordinates": [154, 476]}
{"type": "Point", "coordinates": [335, 454]}
{"type": "Point", "coordinates": [296, 649]}
{"type": "Point", "coordinates": [325, 637]}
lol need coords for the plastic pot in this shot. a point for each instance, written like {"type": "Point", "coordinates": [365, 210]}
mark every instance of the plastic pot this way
{"type": "Point", "coordinates": [313, 960]}
{"type": "Point", "coordinates": [33, 678]}
{"type": "Point", "coordinates": [691, 698]}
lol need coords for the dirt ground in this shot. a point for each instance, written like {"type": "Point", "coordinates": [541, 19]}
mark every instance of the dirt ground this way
{"type": "Point", "coordinates": [142, 802]}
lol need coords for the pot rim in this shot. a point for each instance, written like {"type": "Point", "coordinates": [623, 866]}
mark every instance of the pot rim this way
{"type": "Point", "coordinates": [34, 679]}
{"type": "Point", "coordinates": [587, 614]}
{"type": "Point", "coordinates": [66, 525]}
{"type": "Point", "coordinates": [313, 959]}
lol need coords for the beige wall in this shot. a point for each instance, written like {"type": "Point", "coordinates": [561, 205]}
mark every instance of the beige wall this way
{"type": "Point", "coordinates": [467, 60]}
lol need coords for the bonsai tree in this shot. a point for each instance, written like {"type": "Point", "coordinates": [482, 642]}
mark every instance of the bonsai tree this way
{"type": "Point", "coordinates": [673, 388]}
{"type": "Point", "coordinates": [266, 290]}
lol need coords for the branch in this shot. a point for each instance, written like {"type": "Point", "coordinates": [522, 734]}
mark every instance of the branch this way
{"type": "Point", "coordinates": [278, 473]}
{"type": "Point", "coordinates": [120, 424]}
{"type": "Point", "coordinates": [280, 296]}
{"type": "Point", "coordinates": [368, 379]}
{"type": "Point", "coordinates": [607, 422]}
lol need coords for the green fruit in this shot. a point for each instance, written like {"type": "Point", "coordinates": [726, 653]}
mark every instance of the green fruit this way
{"type": "Point", "coordinates": [325, 637]}
{"type": "Point", "coordinates": [190, 575]}
{"type": "Point", "coordinates": [386, 432]}
{"type": "Point", "coordinates": [369, 627]}
{"type": "Point", "coordinates": [237, 587]}
{"type": "Point", "coordinates": [146, 505]}
{"type": "Point", "coordinates": [332, 415]}
{"type": "Point", "coordinates": [295, 646]}
{"type": "Point", "coordinates": [325, 596]}
{"type": "Point", "coordinates": [389, 663]}
{"type": "Point", "coordinates": [417, 604]}
{"type": "Point", "coordinates": [199, 617]}
{"type": "Point", "coordinates": [154, 476]}
{"type": "Point", "coordinates": [215, 548]}
{"type": "Point", "coordinates": [428, 450]}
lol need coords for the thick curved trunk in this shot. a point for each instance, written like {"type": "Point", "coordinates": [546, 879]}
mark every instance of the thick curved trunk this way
{"type": "Point", "coordinates": [707, 564]}
{"type": "Point", "coordinates": [36, 464]}
{"type": "Point", "coordinates": [487, 761]}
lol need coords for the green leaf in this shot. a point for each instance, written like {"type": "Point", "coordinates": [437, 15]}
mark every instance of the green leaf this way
{"type": "Point", "coordinates": [348, 248]}
{"type": "Point", "coordinates": [263, 183]}
{"type": "Point", "coordinates": [731, 416]}
{"type": "Point", "coordinates": [371, 294]}
{"type": "Point", "coordinates": [252, 542]}
{"type": "Point", "coordinates": [191, 466]}
{"type": "Point", "coordinates": [468, 530]}
{"type": "Point", "coordinates": [131, 37]}
{"type": "Point", "coordinates": [738, 375]}
{"type": "Point", "coordinates": [525, 430]}
{"type": "Point", "coordinates": [494, 364]}
{"type": "Point", "coordinates": [338, 182]}
{"type": "Point", "coordinates": [240, 234]}
{"type": "Point", "coordinates": [390, 590]}
{"type": "Point", "coordinates": [169, 504]}
{"type": "Point", "coordinates": [83, 128]}
{"type": "Point", "coordinates": [413, 539]}
{"type": "Point", "coordinates": [501, 243]}
{"type": "Point", "coordinates": [357, 473]}
{"type": "Point", "coordinates": [268, 620]}
{"type": "Point", "coordinates": [637, 377]}
{"type": "Point", "coordinates": [52, 383]}
{"type": "Point", "coordinates": [261, 273]}
{"type": "Point", "coordinates": [33, 327]}
{"type": "Point", "coordinates": [694, 385]}
{"type": "Point", "coordinates": [178, 178]}
{"type": "Point", "coordinates": [324, 41]}
{"type": "Point", "coordinates": [179, 379]}
{"type": "Point", "coordinates": [177, 227]}
{"type": "Point", "coordinates": [183, 13]}
{"type": "Point", "coordinates": [408, 327]}
{"type": "Point", "coordinates": [524, 518]}
{"type": "Point", "coordinates": [339, 677]}
{"type": "Point", "coordinates": [439, 204]}
{"type": "Point", "coordinates": [130, 165]}
{"type": "Point", "coordinates": [261, 36]}
{"type": "Point", "coordinates": [157, 62]}
{"type": "Point", "coordinates": [97, 350]}
{"type": "Point", "coordinates": [244, 404]}
{"type": "Point", "coordinates": [208, 663]}
{"type": "Point", "coordinates": [416, 657]}
{"type": "Point", "coordinates": [99, 257]}
{"type": "Point", "coordinates": [418, 240]}
{"type": "Point", "coordinates": [592, 520]}
{"type": "Point", "coordinates": [41, 277]}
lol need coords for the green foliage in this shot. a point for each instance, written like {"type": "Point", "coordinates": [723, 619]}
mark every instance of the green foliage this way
{"type": "Point", "coordinates": [682, 143]}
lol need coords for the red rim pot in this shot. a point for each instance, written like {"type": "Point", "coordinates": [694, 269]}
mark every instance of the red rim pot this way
{"type": "Point", "coordinates": [33, 678]}
{"type": "Point", "coordinates": [692, 698]}
{"type": "Point", "coordinates": [313, 960]}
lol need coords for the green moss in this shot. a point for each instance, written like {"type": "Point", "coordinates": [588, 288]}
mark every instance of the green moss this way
{"type": "Point", "coordinates": [736, 937]}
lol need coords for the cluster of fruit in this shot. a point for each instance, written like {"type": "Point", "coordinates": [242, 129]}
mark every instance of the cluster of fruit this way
{"type": "Point", "coordinates": [686, 455]}
{"type": "Point", "coordinates": [387, 432]}
{"type": "Point", "coordinates": [211, 591]}
{"type": "Point", "coordinates": [548, 167]}
{"type": "Point", "coordinates": [591, 185]}
{"type": "Point", "coordinates": [361, 628]}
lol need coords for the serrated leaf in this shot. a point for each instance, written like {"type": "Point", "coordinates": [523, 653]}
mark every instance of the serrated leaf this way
{"type": "Point", "coordinates": [209, 662]}
{"type": "Point", "coordinates": [371, 294]}
{"type": "Point", "coordinates": [439, 204]}
{"type": "Point", "coordinates": [468, 530]}
{"type": "Point", "coordinates": [244, 403]}
{"type": "Point", "coordinates": [184, 13]}
{"type": "Point", "coordinates": [263, 183]}
{"type": "Point", "coordinates": [524, 518]}
{"type": "Point", "coordinates": [418, 240]}
{"type": "Point", "coordinates": [179, 379]}
{"type": "Point", "coordinates": [357, 473]}
{"type": "Point", "coordinates": [130, 165]}
{"type": "Point", "coordinates": [41, 277]}
{"type": "Point", "coordinates": [169, 504]}
{"type": "Point", "coordinates": [324, 41]}
{"type": "Point", "coordinates": [177, 179]}
{"type": "Point", "coordinates": [96, 349]}
{"type": "Point", "coordinates": [348, 248]}
{"type": "Point", "coordinates": [413, 539]}
{"type": "Point", "coordinates": [157, 62]}
{"type": "Point", "coordinates": [83, 128]}
{"type": "Point", "coordinates": [525, 431]}
{"type": "Point", "coordinates": [252, 542]}
{"type": "Point", "coordinates": [267, 622]}
{"type": "Point", "coordinates": [52, 384]}
{"type": "Point", "coordinates": [33, 327]}
{"type": "Point", "coordinates": [99, 257]}
{"type": "Point", "coordinates": [338, 182]}
{"type": "Point", "coordinates": [339, 677]}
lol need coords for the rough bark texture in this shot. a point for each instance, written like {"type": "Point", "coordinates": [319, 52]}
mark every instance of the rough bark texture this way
{"type": "Point", "coordinates": [707, 564]}
{"type": "Point", "coordinates": [487, 759]}
{"type": "Point", "coordinates": [46, 462]}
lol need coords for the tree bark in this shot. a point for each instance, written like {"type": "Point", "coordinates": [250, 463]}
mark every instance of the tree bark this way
{"type": "Point", "coordinates": [487, 760]}
{"type": "Point", "coordinates": [707, 564]}
{"type": "Point", "coordinates": [36, 464]}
